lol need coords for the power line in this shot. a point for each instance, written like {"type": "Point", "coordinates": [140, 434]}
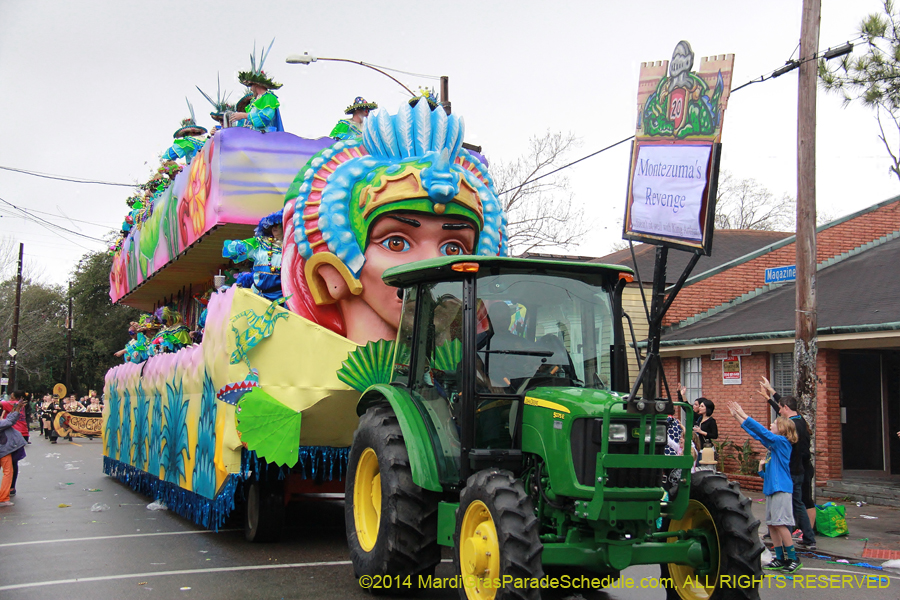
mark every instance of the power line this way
{"type": "Point", "coordinates": [45, 223]}
{"type": "Point", "coordinates": [62, 178]}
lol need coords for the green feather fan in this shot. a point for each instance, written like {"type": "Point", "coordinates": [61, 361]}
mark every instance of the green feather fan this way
{"type": "Point", "coordinates": [268, 427]}
{"type": "Point", "coordinates": [368, 365]}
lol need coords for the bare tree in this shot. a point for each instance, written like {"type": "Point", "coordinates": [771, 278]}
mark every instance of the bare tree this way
{"type": "Point", "coordinates": [747, 204]}
{"type": "Point", "coordinates": [539, 207]}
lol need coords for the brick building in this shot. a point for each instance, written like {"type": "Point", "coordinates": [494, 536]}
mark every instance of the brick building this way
{"type": "Point", "coordinates": [726, 305]}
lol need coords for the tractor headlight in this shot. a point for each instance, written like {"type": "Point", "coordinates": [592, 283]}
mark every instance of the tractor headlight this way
{"type": "Point", "coordinates": [618, 432]}
{"type": "Point", "coordinates": [660, 434]}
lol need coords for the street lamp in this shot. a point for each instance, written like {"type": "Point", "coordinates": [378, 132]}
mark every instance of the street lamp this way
{"type": "Point", "coordinates": [306, 58]}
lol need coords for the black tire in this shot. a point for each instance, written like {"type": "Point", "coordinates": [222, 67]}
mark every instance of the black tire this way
{"type": "Point", "coordinates": [405, 541]}
{"type": "Point", "coordinates": [264, 511]}
{"type": "Point", "coordinates": [517, 529]}
{"type": "Point", "coordinates": [739, 543]}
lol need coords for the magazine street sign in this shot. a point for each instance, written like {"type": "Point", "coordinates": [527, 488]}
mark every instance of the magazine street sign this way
{"type": "Point", "coordinates": [781, 274]}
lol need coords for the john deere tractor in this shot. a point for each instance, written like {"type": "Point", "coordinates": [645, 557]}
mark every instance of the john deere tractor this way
{"type": "Point", "coordinates": [508, 433]}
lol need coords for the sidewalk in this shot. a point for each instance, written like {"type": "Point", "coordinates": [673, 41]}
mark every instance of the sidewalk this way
{"type": "Point", "coordinates": [870, 540]}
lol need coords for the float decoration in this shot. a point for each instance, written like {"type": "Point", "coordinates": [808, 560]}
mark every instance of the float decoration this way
{"type": "Point", "coordinates": [268, 427]}
{"type": "Point", "coordinates": [257, 328]}
{"type": "Point", "coordinates": [368, 365]}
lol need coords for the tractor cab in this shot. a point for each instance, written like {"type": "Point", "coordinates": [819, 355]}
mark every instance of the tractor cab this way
{"type": "Point", "coordinates": [481, 336]}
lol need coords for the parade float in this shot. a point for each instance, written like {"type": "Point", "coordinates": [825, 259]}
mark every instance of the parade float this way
{"type": "Point", "coordinates": [264, 409]}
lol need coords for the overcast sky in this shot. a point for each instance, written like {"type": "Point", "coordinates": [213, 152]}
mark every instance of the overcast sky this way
{"type": "Point", "coordinates": [95, 89]}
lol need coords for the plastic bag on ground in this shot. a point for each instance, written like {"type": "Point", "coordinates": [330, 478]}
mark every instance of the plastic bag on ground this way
{"type": "Point", "coordinates": [99, 507]}
{"type": "Point", "coordinates": [157, 505]}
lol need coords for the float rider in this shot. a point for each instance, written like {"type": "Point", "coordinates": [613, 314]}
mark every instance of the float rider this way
{"type": "Point", "coordinates": [352, 127]}
{"type": "Point", "coordinates": [187, 143]}
{"type": "Point", "coordinates": [265, 250]}
{"type": "Point", "coordinates": [264, 114]}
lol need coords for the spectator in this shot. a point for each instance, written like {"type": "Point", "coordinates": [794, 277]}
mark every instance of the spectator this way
{"type": "Point", "coordinates": [21, 425]}
{"type": "Point", "coordinates": [705, 427]}
{"type": "Point", "coordinates": [777, 484]}
{"type": "Point", "coordinates": [802, 470]}
{"type": "Point", "coordinates": [12, 449]}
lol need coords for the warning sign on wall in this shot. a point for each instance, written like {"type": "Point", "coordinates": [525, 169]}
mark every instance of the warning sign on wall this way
{"type": "Point", "coordinates": [731, 371]}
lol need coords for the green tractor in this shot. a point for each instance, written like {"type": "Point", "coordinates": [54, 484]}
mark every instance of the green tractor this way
{"type": "Point", "coordinates": [508, 434]}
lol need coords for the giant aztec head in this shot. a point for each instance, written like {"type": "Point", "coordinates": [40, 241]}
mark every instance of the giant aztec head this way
{"type": "Point", "coordinates": [406, 191]}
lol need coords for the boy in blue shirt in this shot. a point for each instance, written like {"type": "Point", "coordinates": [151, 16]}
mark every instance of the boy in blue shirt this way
{"type": "Point", "coordinates": [777, 484]}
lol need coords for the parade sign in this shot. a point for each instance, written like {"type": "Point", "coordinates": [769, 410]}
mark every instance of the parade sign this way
{"type": "Point", "coordinates": [675, 155]}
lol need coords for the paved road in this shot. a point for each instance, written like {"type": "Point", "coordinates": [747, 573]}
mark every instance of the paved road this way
{"type": "Point", "coordinates": [128, 551]}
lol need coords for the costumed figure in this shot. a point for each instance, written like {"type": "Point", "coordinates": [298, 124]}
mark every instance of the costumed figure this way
{"type": "Point", "coordinates": [187, 144]}
{"type": "Point", "coordinates": [352, 127]}
{"type": "Point", "coordinates": [264, 249]}
{"type": "Point", "coordinates": [406, 191]}
{"type": "Point", "coordinates": [263, 114]}
{"type": "Point", "coordinates": [174, 335]}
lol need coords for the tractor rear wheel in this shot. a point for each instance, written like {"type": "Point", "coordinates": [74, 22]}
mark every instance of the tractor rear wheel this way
{"type": "Point", "coordinates": [718, 506]}
{"type": "Point", "coordinates": [391, 522]}
{"type": "Point", "coordinates": [497, 535]}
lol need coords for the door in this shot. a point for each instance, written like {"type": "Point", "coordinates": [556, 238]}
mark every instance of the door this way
{"type": "Point", "coordinates": [861, 401]}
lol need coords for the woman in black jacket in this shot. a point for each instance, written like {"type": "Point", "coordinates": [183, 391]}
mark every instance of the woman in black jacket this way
{"type": "Point", "coordinates": [705, 427]}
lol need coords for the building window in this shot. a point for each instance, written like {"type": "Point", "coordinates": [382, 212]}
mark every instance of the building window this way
{"type": "Point", "coordinates": [783, 373]}
{"type": "Point", "coordinates": [690, 377]}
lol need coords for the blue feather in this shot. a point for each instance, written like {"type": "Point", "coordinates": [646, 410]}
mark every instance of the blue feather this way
{"type": "Point", "coordinates": [455, 135]}
{"type": "Point", "coordinates": [438, 129]}
{"type": "Point", "coordinates": [404, 126]}
{"type": "Point", "coordinates": [422, 118]}
{"type": "Point", "coordinates": [208, 99]}
{"type": "Point", "coordinates": [264, 55]}
{"type": "Point", "coordinates": [386, 133]}
{"type": "Point", "coordinates": [370, 137]}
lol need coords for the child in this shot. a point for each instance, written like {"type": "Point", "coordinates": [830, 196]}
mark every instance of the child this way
{"type": "Point", "coordinates": [777, 484]}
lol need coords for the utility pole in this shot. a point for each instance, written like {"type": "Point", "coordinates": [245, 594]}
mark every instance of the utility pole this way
{"type": "Point", "coordinates": [445, 93]}
{"type": "Point", "coordinates": [806, 340]}
{"type": "Point", "coordinates": [14, 342]}
{"type": "Point", "coordinates": [69, 342]}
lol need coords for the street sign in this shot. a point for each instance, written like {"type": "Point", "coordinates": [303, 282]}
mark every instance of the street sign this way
{"type": "Point", "coordinates": [12, 352]}
{"type": "Point", "coordinates": [4, 380]}
{"type": "Point", "coordinates": [781, 274]}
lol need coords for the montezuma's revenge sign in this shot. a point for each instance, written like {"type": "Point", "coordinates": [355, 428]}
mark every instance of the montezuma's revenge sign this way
{"type": "Point", "coordinates": [675, 155]}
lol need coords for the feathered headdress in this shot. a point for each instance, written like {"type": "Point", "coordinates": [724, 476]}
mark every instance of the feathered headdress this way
{"type": "Point", "coordinates": [256, 74]}
{"type": "Point", "coordinates": [359, 103]}
{"type": "Point", "coordinates": [220, 104]}
{"type": "Point", "coordinates": [189, 126]}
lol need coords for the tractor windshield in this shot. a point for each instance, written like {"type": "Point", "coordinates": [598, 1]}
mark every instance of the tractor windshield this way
{"type": "Point", "coordinates": [542, 329]}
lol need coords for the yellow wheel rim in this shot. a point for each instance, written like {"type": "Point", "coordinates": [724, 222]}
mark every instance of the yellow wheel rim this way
{"type": "Point", "coordinates": [367, 499]}
{"type": "Point", "coordinates": [479, 552]}
{"type": "Point", "coordinates": [686, 582]}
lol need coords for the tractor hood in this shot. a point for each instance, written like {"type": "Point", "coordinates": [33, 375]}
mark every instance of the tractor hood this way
{"type": "Point", "coordinates": [576, 401]}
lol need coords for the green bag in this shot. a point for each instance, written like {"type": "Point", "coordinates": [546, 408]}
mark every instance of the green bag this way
{"type": "Point", "coordinates": [831, 520]}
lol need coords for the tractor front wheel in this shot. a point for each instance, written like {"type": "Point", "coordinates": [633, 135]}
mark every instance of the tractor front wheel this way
{"type": "Point", "coordinates": [718, 507]}
{"type": "Point", "coordinates": [497, 535]}
{"type": "Point", "coordinates": [391, 522]}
